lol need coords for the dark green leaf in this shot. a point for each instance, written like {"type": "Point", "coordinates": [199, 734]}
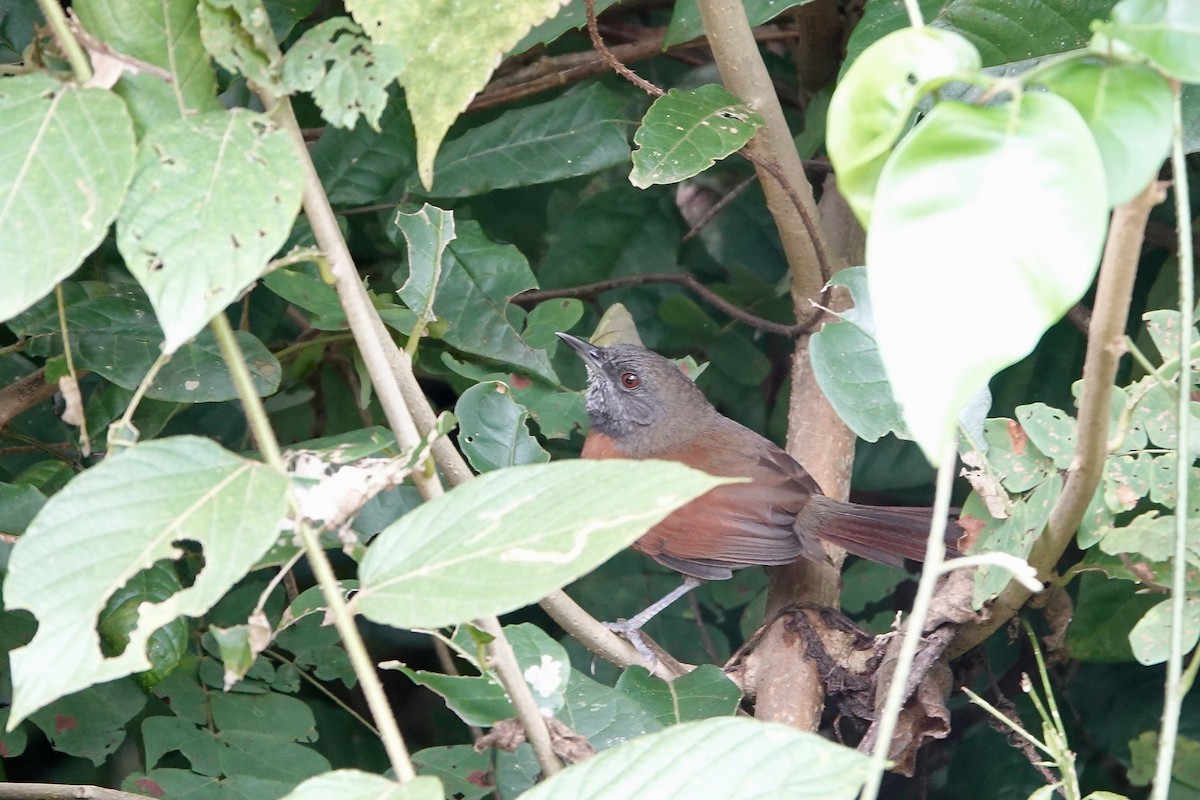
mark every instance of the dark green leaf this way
{"type": "Point", "coordinates": [702, 693]}
{"type": "Point", "coordinates": [685, 133]}
{"type": "Point", "coordinates": [576, 134]}
{"type": "Point", "coordinates": [91, 724]}
{"type": "Point", "coordinates": [362, 166]}
{"type": "Point", "coordinates": [492, 429]}
{"type": "Point", "coordinates": [686, 25]}
{"type": "Point", "coordinates": [465, 774]}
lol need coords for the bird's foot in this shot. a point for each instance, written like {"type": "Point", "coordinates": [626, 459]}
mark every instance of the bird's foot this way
{"type": "Point", "coordinates": [632, 632]}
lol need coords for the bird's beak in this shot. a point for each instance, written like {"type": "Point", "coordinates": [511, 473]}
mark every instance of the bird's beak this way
{"type": "Point", "coordinates": [589, 353]}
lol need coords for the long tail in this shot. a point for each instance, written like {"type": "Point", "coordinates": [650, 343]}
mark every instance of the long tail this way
{"type": "Point", "coordinates": [887, 534]}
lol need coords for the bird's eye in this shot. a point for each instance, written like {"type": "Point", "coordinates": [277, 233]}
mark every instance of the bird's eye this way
{"type": "Point", "coordinates": [630, 380]}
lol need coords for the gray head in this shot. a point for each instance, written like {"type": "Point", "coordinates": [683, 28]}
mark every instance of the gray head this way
{"type": "Point", "coordinates": [640, 399]}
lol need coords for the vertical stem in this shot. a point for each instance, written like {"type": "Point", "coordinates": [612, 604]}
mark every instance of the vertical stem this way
{"type": "Point", "coordinates": [356, 648]}
{"type": "Point", "coordinates": [1173, 700]}
{"type": "Point", "coordinates": [935, 554]}
{"type": "Point", "coordinates": [80, 67]}
{"type": "Point", "coordinates": [913, 7]}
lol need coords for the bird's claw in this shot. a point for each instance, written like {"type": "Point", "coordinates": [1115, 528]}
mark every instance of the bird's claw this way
{"type": "Point", "coordinates": [633, 634]}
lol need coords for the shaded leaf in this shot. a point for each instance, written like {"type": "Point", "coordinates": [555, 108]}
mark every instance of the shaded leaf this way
{"type": "Point", "coordinates": [702, 693]}
{"type": "Point", "coordinates": [428, 232]}
{"type": "Point", "coordinates": [575, 134]}
{"type": "Point", "coordinates": [686, 25]}
{"type": "Point", "coordinates": [492, 429]}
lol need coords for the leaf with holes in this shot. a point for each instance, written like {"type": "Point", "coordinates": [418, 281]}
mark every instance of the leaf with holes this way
{"type": "Point", "coordinates": [114, 520]}
{"type": "Point", "coordinates": [494, 429]}
{"type": "Point", "coordinates": [238, 34]}
{"type": "Point", "coordinates": [347, 74]}
{"type": "Point", "coordinates": [685, 133]}
{"type": "Point", "coordinates": [57, 198]}
{"type": "Point", "coordinates": [428, 232]}
{"type": "Point", "coordinates": [509, 537]}
{"type": "Point", "coordinates": [213, 199]}
{"type": "Point", "coordinates": [442, 72]}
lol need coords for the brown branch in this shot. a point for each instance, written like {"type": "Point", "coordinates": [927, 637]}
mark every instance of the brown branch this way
{"type": "Point", "coordinates": [611, 60]}
{"type": "Point", "coordinates": [684, 279]}
{"type": "Point", "coordinates": [1118, 269]}
{"type": "Point", "coordinates": [718, 207]}
{"type": "Point", "coordinates": [55, 791]}
{"type": "Point", "coordinates": [23, 394]}
{"type": "Point", "coordinates": [555, 72]}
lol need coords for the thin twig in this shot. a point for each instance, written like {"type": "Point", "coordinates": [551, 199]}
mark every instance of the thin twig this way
{"type": "Point", "coordinates": [718, 207]}
{"type": "Point", "coordinates": [617, 67]}
{"type": "Point", "coordinates": [685, 279]}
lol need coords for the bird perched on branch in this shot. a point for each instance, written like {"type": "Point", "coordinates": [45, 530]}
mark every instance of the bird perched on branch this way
{"type": "Point", "coordinates": [642, 406]}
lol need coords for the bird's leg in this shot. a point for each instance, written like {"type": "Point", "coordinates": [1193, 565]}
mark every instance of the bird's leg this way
{"type": "Point", "coordinates": [631, 628]}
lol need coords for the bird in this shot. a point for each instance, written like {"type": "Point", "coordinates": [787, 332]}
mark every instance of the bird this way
{"type": "Point", "coordinates": [642, 406]}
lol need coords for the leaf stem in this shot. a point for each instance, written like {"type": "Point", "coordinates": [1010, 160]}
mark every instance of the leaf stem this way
{"type": "Point", "coordinates": [898, 691]}
{"type": "Point", "coordinates": [80, 67]}
{"type": "Point", "coordinates": [914, 13]}
{"type": "Point", "coordinates": [1173, 700]}
{"type": "Point", "coordinates": [343, 620]}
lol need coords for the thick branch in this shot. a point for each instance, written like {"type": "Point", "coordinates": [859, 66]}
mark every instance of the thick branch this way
{"type": "Point", "coordinates": [54, 791]}
{"type": "Point", "coordinates": [1105, 348]}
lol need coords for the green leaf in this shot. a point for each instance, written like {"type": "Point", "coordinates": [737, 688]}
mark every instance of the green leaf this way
{"type": "Point", "coordinates": [1002, 36]}
{"type": "Point", "coordinates": [1105, 611]}
{"type": "Point", "coordinates": [238, 34]}
{"type": "Point", "coordinates": [1151, 536]}
{"type": "Point", "coordinates": [1151, 636]}
{"type": "Point", "coordinates": [57, 198]}
{"type": "Point", "coordinates": [352, 784]}
{"type": "Point", "coordinates": [1128, 109]}
{"type": "Point", "coordinates": [168, 645]}
{"type": "Point", "coordinates": [874, 103]}
{"type": "Point", "coordinates": [441, 74]}
{"type": "Point", "coordinates": [478, 278]}
{"type": "Point", "coordinates": [572, 15]}
{"type": "Point", "coordinates": [1167, 32]}
{"type": "Point", "coordinates": [509, 537]}
{"type": "Point", "coordinates": [167, 35]}
{"type": "Point", "coordinates": [686, 25]}
{"type": "Point", "coordinates": [724, 757]}
{"type": "Point", "coordinates": [347, 74]}
{"type": "Point", "coordinates": [492, 429]}
{"type": "Point", "coordinates": [463, 772]}
{"type": "Point", "coordinates": [115, 520]}
{"type": "Point", "coordinates": [1014, 535]}
{"type": "Point", "coordinates": [702, 693]}
{"type": "Point", "coordinates": [1015, 459]}
{"type": "Point", "coordinates": [363, 166]}
{"type": "Point", "coordinates": [606, 716]}
{"type": "Point", "coordinates": [428, 232]}
{"type": "Point", "coordinates": [846, 364]}
{"type": "Point", "coordinates": [1032, 163]}
{"type": "Point", "coordinates": [575, 134]}
{"type": "Point", "coordinates": [1051, 430]}
{"type": "Point", "coordinates": [91, 724]}
{"type": "Point", "coordinates": [213, 199]}
{"type": "Point", "coordinates": [117, 337]}
{"type": "Point", "coordinates": [475, 699]}
{"type": "Point", "coordinates": [685, 133]}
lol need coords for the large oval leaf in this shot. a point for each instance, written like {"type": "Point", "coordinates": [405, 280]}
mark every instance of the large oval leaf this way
{"type": "Point", "coordinates": [510, 537]}
{"type": "Point", "coordinates": [113, 521]}
{"type": "Point", "coordinates": [214, 197]}
{"type": "Point", "coordinates": [57, 195]}
{"type": "Point", "coordinates": [721, 757]}
{"type": "Point", "coordinates": [875, 101]}
{"type": "Point", "coordinates": [1165, 31]}
{"type": "Point", "coordinates": [988, 226]}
